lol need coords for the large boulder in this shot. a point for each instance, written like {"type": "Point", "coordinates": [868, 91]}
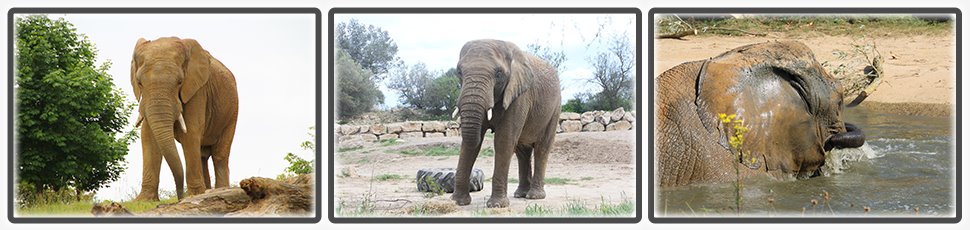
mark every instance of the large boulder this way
{"type": "Point", "coordinates": [587, 117]}
{"type": "Point", "coordinates": [629, 117]}
{"type": "Point", "coordinates": [378, 129]}
{"type": "Point", "coordinates": [443, 179]}
{"type": "Point", "coordinates": [593, 127]}
{"type": "Point", "coordinates": [349, 129]}
{"type": "Point", "coordinates": [411, 126]}
{"type": "Point", "coordinates": [433, 126]}
{"type": "Point", "coordinates": [617, 114]}
{"type": "Point", "coordinates": [395, 128]}
{"type": "Point", "coordinates": [368, 137]}
{"type": "Point", "coordinates": [603, 119]}
{"type": "Point", "coordinates": [434, 134]}
{"type": "Point", "coordinates": [571, 126]}
{"type": "Point", "coordinates": [388, 136]}
{"type": "Point", "coordinates": [619, 125]}
{"type": "Point", "coordinates": [569, 116]}
{"type": "Point", "coordinates": [452, 133]}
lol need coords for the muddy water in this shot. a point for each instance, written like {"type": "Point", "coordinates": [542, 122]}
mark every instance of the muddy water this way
{"type": "Point", "coordinates": [906, 164]}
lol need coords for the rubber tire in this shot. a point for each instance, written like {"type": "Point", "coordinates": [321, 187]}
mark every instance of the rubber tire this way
{"type": "Point", "coordinates": [445, 178]}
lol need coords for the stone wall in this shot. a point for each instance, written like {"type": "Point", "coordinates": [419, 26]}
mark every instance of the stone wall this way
{"type": "Point", "coordinates": [592, 121]}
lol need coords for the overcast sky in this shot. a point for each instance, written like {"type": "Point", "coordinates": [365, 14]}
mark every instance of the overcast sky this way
{"type": "Point", "coordinates": [436, 39]}
{"type": "Point", "coordinates": [272, 58]}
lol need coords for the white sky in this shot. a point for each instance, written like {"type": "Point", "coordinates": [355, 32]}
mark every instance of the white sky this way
{"type": "Point", "coordinates": [272, 57]}
{"type": "Point", "coordinates": [435, 39]}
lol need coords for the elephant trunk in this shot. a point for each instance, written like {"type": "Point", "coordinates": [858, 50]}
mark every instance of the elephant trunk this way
{"type": "Point", "coordinates": [161, 120]}
{"type": "Point", "coordinates": [851, 138]}
{"type": "Point", "coordinates": [473, 107]}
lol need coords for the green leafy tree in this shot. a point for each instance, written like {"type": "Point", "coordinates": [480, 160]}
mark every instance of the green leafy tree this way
{"type": "Point", "coordinates": [368, 45]}
{"type": "Point", "coordinates": [431, 92]}
{"type": "Point", "coordinates": [70, 116]}
{"type": "Point", "coordinates": [358, 92]}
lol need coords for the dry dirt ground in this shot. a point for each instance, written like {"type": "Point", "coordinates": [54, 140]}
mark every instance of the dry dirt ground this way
{"type": "Point", "coordinates": [918, 69]}
{"type": "Point", "coordinates": [599, 168]}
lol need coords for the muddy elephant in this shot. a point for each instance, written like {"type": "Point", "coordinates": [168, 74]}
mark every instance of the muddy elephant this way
{"type": "Point", "coordinates": [516, 95]}
{"type": "Point", "coordinates": [186, 95]}
{"type": "Point", "coordinates": [790, 105]}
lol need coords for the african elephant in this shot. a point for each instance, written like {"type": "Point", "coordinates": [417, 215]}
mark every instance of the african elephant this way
{"type": "Point", "coordinates": [516, 94]}
{"type": "Point", "coordinates": [185, 95]}
{"type": "Point", "coordinates": [791, 106]}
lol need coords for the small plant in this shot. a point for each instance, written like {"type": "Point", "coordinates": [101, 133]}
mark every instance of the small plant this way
{"type": "Point", "coordinates": [486, 152]}
{"type": "Point", "coordinates": [577, 208]}
{"type": "Point", "coordinates": [537, 210]}
{"type": "Point", "coordinates": [557, 181]}
{"type": "Point", "coordinates": [431, 208]}
{"type": "Point", "coordinates": [387, 177]}
{"type": "Point", "coordinates": [734, 128]}
{"type": "Point", "coordinates": [390, 141]}
{"type": "Point", "coordinates": [348, 149]}
{"type": "Point", "coordinates": [299, 165]}
{"type": "Point", "coordinates": [625, 207]}
{"type": "Point", "coordinates": [433, 187]}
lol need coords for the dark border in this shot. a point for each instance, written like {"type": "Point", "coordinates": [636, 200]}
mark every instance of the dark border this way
{"type": "Point", "coordinates": [639, 25]}
{"type": "Point", "coordinates": [10, 106]}
{"type": "Point", "coordinates": [953, 11]}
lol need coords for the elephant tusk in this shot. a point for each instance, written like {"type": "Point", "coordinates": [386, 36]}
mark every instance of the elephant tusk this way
{"type": "Point", "coordinates": [455, 114]}
{"type": "Point", "coordinates": [140, 118]}
{"type": "Point", "coordinates": [182, 123]}
{"type": "Point", "coordinates": [489, 114]}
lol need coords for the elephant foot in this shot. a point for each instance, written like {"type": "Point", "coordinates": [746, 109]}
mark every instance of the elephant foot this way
{"type": "Point", "coordinates": [536, 194]}
{"type": "Point", "coordinates": [520, 192]}
{"type": "Point", "coordinates": [195, 191]}
{"type": "Point", "coordinates": [461, 199]}
{"type": "Point", "coordinates": [497, 202]}
{"type": "Point", "coordinates": [144, 196]}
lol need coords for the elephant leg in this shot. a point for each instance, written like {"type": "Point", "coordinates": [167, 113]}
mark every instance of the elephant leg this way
{"type": "Point", "coordinates": [524, 153]}
{"type": "Point", "coordinates": [461, 196]}
{"type": "Point", "coordinates": [206, 153]}
{"type": "Point", "coordinates": [151, 166]}
{"type": "Point", "coordinates": [193, 169]}
{"type": "Point", "coordinates": [220, 160]}
{"type": "Point", "coordinates": [542, 149]}
{"type": "Point", "coordinates": [506, 139]}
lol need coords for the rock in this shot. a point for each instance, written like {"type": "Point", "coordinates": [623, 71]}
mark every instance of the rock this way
{"type": "Point", "coordinates": [559, 128]}
{"type": "Point", "coordinates": [255, 196]}
{"type": "Point", "coordinates": [388, 136]}
{"type": "Point", "coordinates": [603, 119]}
{"type": "Point", "coordinates": [571, 126]}
{"type": "Point", "coordinates": [444, 179]}
{"type": "Point", "coordinates": [348, 171]}
{"type": "Point", "coordinates": [617, 114]}
{"type": "Point", "coordinates": [568, 116]}
{"type": "Point", "coordinates": [395, 128]}
{"type": "Point", "coordinates": [593, 127]}
{"type": "Point", "coordinates": [349, 129]}
{"type": "Point", "coordinates": [408, 135]}
{"type": "Point", "coordinates": [433, 126]}
{"type": "Point", "coordinates": [452, 133]}
{"type": "Point", "coordinates": [110, 209]}
{"type": "Point", "coordinates": [378, 129]}
{"type": "Point", "coordinates": [368, 137]}
{"type": "Point", "coordinates": [434, 134]}
{"type": "Point", "coordinates": [453, 125]}
{"type": "Point", "coordinates": [629, 117]}
{"type": "Point", "coordinates": [411, 126]}
{"type": "Point", "coordinates": [587, 117]}
{"type": "Point", "coordinates": [619, 125]}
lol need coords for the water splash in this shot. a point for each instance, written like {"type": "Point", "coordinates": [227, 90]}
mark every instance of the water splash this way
{"type": "Point", "coordinates": [838, 160]}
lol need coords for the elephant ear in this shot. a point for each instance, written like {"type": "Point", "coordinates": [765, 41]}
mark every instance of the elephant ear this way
{"type": "Point", "coordinates": [196, 67]}
{"type": "Point", "coordinates": [520, 74]}
{"type": "Point", "coordinates": [134, 69]}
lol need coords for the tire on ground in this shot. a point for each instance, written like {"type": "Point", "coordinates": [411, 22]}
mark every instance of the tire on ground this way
{"type": "Point", "coordinates": [444, 178]}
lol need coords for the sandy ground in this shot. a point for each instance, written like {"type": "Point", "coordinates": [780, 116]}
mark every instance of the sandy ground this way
{"type": "Point", "coordinates": [918, 69]}
{"type": "Point", "coordinates": [599, 166]}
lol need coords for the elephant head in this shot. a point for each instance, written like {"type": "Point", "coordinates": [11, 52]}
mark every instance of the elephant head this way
{"type": "Point", "coordinates": [165, 74]}
{"type": "Point", "coordinates": [790, 104]}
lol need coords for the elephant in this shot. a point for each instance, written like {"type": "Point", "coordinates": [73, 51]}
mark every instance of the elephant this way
{"type": "Point", "coordinates": [517, 96]}
{"type": "Point", "coordinates": [790, 105]}
{"type": "Point", "coordinates": [184, 94]}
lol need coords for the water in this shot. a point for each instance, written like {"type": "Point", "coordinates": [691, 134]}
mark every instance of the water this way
{"type": "Point", "coordinates": [906, 164]}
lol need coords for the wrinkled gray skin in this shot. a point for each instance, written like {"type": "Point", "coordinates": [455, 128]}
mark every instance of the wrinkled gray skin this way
{"type": "Point", "coordinates": [516, 95]}
{"type": "Point", "coordinates": [790, 104]}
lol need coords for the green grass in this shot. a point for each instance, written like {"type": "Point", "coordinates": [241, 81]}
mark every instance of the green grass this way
{"type": "Point", "coordinates": [557, 181]}
{"type": "Point", "coordinates": [387, 177]}
{"type": "Point", "coordinates": [582, 208]}
{"type": "Point", "coordinates": [486, 152]}
{"type": "Point", "coordinates": [433, 151]}
{"type": "Point", "coordinates": [823, 25]}
{"type": "Point", "coordinates": [390, 141]}
{"type": "Point", "coordinates": [83, 208]}
{"type": "Point", "coordinates": [347, 149]}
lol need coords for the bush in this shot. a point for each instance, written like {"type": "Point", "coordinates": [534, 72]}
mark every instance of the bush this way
{"type": "Point", "coordinates": [357, 91]}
